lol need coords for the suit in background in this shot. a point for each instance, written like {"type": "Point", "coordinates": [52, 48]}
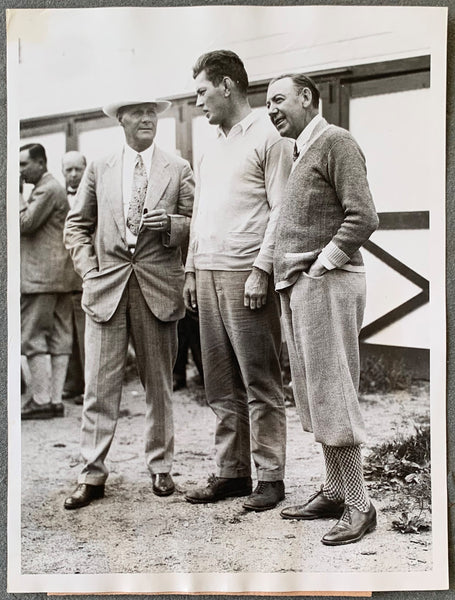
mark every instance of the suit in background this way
{"type": "Point", "coordinates": [129, 258]}
{"type": "Point", "coordinates": [73, 167]}
{"type": "Point", "coordinates": [45, 286]}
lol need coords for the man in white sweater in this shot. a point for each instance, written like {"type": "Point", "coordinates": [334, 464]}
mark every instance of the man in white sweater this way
{"type": "Point", "coordinates": [241, 177]}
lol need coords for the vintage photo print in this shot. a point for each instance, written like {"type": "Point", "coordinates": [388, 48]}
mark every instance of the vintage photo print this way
{"type": "Point", "coordinates": [158, 447]}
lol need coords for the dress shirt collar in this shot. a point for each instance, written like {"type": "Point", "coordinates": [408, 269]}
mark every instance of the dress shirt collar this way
{"type": "Point", "coordinates": [146, 155]}
{"type": "Point", "coordinates": [241, 126]}
{"type": "Point", "coordinates": [305, 135]}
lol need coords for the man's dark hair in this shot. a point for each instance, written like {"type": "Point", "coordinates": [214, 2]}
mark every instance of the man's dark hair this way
{"type": "Point", "coordinates": [36, 152]}
{"type": "Point", "coordinates": [301, 81]}
{"type": "Point", "coordinates": [222, 63]}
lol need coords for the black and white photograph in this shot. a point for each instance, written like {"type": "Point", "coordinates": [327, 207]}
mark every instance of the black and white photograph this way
{"type": "Point", "coordinates": [226, 299]}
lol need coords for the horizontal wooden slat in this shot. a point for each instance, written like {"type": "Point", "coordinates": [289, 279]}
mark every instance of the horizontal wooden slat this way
{"type": "Point", "coordinates": [404, 220]}
{"type": "Point", "coordinates": [389, 85]}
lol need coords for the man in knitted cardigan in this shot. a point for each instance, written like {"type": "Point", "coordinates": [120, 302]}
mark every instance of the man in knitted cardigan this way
{"type": "Point", "coordinates": [327, 213]}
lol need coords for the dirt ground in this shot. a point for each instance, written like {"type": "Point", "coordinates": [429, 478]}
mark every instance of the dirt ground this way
{"type": "Point", "coordinates": [138, 532]}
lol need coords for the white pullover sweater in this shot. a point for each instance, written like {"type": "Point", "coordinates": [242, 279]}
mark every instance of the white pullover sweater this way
{"type": "Point", "coordinates": [240, 181]}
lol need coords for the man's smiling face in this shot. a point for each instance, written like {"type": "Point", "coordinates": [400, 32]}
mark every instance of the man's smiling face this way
{"type": "Point", "coordinates": [285, 108]}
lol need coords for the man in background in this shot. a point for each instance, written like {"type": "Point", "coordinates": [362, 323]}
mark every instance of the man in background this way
{"type": "Point", "coordinates": [73, 167]}
{"type": "Point", "coordinates": [125, 232]}
{"type": "Point", "coordinates": [326, 215]}
{"type": "Point", "coordinates": [241, 178]}
{"type": "Point", "coordinates": [46, 272]}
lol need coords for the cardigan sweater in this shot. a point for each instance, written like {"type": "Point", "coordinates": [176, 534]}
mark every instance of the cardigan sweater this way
{"type": "Point", "coordinates": [326, 208]}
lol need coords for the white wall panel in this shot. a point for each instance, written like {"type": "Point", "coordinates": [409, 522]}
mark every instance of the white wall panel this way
{"type": "Point", "coordinates": [393, 131]}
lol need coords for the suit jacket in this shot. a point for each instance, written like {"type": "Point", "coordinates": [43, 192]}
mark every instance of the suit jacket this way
{"type": "Point", "coordinates": [45, 263]}
{"type": "Point", "coordinates": [76, 281]}
{"type": "Point", "coordinates": [95, 236]}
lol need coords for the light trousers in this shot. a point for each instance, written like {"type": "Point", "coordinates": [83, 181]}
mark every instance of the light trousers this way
{"type": "Point", "coordinates": [106, 345]}
{"type": "Point", "coordinates": [240, 355]}
{"type": "Point", "coordinates": [46, 326]}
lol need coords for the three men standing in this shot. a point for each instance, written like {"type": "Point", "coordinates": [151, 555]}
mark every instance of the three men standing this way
{"type": "Point", "coordinates": [326, 215]}
{"type": "Point", "coordinates": [240, 181]}
{"type": "Point", "coordinates": [131, 215]}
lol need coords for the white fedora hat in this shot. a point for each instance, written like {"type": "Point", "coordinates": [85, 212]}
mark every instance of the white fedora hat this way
{"type": "Point", "coordinates": [112, 109]}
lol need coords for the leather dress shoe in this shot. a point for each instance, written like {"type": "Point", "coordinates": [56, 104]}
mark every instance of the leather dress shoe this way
{"type": "Point", "coordinates": [220, 488]}
{"type": "Point", "coordinates": [317, 507]}
{"type": "Point", "coordinates": [33, 410]}
{"type": "Point", "coordinates": [352, 526]}
{"type": "Point", "coordinates": [83, 495]}
{"type": "Point", "coordinates": [70, 394]}
{"type": "Point", "coordinates": [163, 484]}
{"type": "Point", "coordinates": [79, 399]}
{"type": "Point", "coordinates": [266, 496]}
{"type": "Point", "coordinates": [179, 383]}
{"type": "Point", "coordinates": [59, 409]}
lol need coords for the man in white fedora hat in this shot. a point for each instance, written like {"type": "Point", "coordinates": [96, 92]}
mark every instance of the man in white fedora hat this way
{"type": "Point", "coordinates": [131, 216]}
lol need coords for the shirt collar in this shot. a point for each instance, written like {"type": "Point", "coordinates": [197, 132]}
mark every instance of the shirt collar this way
{"type": "Point", "coordinates": [146, 154]}
{"type": "Point", "coordinates": [305, 135]}
{"type": "Point", "coordinates": [241, 126]}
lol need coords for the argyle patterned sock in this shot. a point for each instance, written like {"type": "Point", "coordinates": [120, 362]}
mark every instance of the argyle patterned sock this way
{"type": "Point", "coordinates": [350, 462]}
{"type": "Point", "coordinates": [333, 488]}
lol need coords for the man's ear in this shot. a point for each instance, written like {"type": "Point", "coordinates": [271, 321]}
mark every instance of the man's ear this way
{"type": "Point", "coordinates": [307, 97]}
{"type": "Point", "coordinates": [227, 84]}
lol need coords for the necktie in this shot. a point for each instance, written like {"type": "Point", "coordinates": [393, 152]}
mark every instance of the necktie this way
{"type": "Point", "coordinates": [139, 191]}
{"type": "Point", "coordinates": [295, 156]}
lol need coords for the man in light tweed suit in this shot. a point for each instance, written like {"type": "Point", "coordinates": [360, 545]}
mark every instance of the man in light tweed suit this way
{"type": "Point", "coordinates": [131, 216]}
{"type": "Point", "coordinates": [326, 215]}
{"type": "Point", "coordinates": [46, 284]}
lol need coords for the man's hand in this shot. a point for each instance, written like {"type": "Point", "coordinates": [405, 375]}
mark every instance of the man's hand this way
{"type": "Point", "coordinates": [189, 291]}
{"type": "Point", "coordinates": [317, 269]}
{"type": "Point", "coordinates": [156, 220]}
{"type": "Point", "coordinates": [256, 289]}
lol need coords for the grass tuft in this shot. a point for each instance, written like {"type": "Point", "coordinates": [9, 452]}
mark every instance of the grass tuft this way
{"type": "Point", "coordinates": [376, 376]}
{"type": "Point", "coordinates": [403, 466]}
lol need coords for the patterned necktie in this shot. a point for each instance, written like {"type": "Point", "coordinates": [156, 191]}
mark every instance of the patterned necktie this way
{"type": "Point", "coordinates": [139, 191]}
{"type": "Point", "coordinates": [295, 156]}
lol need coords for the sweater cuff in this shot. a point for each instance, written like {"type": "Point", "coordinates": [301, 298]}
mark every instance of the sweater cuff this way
{"type": "Point", "coordinates": [333, 255]}
{"type": "Point", "coordinates": [326, 262]}
{"type": "Point", "coordinates": [263, 264]}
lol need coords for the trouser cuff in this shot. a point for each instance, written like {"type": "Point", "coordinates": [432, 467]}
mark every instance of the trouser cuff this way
{"type": "Point", "coordinates": [270, 475]}
{"type": "Point", "coordinates": [230, 473]}
{"type": "Point", "coordinates": [92, 479]}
